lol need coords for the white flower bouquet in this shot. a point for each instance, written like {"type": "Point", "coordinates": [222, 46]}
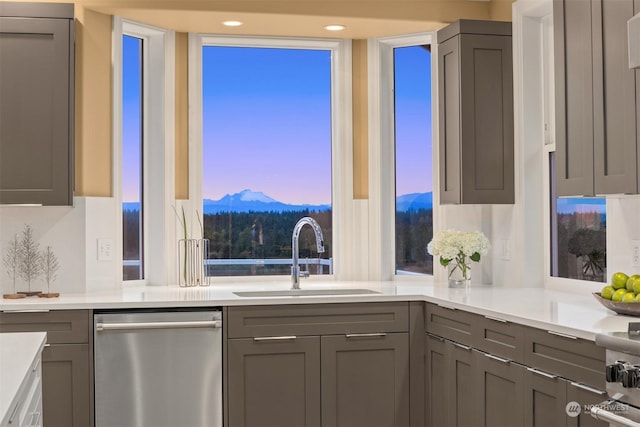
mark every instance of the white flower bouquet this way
{"type": "Point", "coordinates": [457, 246]}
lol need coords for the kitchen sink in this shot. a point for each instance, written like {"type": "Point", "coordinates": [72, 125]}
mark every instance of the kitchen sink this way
{"type": "Point", "coordinates": [304, 292]}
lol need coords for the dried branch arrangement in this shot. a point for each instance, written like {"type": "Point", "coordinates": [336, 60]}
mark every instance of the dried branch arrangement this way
{"type": "Point", "coordinates": [24, 259]}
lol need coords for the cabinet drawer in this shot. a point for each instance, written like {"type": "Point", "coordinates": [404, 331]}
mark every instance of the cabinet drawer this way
{"type": "Point", "coordinates": [499, 337]}
{"type": "Point", "coordinates": [450, 323]}
{"type": "Point", "coordinates": [62, 326]}
{"type": "Point", "coordinates": [316, 319]}
{"type": "Point", "coordinates": [569, 357]}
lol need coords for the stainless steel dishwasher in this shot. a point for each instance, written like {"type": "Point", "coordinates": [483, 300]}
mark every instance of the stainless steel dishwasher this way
{"type": "Point", "coordinates": [158, 368]}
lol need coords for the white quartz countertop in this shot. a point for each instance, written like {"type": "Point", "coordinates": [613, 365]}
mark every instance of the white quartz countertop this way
{"type": "Point", "coordinates": [574, 313]}
{"type": "Point", "coordinates": [18, 351]}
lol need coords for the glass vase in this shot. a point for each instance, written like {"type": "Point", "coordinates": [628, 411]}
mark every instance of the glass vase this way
{"type": "Point", "coordinates": [459, 277]}
{"type": "Point", "coordinates": [192, 254]}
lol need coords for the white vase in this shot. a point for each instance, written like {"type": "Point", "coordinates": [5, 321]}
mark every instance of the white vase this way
{"type": "Point", "coordinates": [458, 277]}
{"type": "Point", "coordinates": [192, 254]}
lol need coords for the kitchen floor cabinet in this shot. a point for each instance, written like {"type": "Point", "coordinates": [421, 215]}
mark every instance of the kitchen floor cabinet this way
{"type": "Point", "coordinates": [66, 363]}
{"type": "Point", "coordinates": [527, 379]}
{"type": "Point", "coordinates": [475, 101]}
{"type": "Point", "coordinates": [312, 365]}
{"type": "Point", "coordinates": [595, 98]}
{"type": "Point", "coordinates": [36, 103]}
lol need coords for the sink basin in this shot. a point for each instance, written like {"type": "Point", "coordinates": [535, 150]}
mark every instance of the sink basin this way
{"type": "Point", "coordinates": [304, 292]}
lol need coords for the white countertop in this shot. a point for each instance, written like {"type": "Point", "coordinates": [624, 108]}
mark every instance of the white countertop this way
{"type": "Point", "coordinates": [574, 313]}
{"type": "Point", "coordinates": [18, 351]}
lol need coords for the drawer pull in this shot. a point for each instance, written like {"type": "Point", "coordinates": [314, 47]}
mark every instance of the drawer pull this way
{"type": "Point", "coordinates": [498, 359]}
{"type": "Point", "coordinates": [446, 306]}
{"type": "Point", "coordinates": [371, 335]}
{"type": "Point", "coordinates": [47, 345]}
{"type": "Point", "coordinates": [281, 338]}
{"type": "Point", "coordinates": [590, 389]}
{"type": "Point", "coordinates": [34, 310]}
{"type": "Point", "coordinates": [560, 334]}
{"type": "Point", "coordinates": [462, 346]}
{"type": "Point", "coordinates": [542, 373]}
{"type": "Point", "coordinates": [12, 418]}
{"type": "Point", "coordinates": [496, 319]}
{"type": "Point", "coordinates": [435, 337]}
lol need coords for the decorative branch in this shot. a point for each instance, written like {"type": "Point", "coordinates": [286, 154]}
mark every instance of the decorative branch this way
{"type": "Point", "coordinates": [29, 257]}
{"type": "Point", "coordinates": [49, 266]}
{"type": "Point", "coordinates": [12, 260]}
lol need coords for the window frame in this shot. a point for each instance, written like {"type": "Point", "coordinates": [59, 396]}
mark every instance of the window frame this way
{"type": "Point", "coordinates": [158, 150]}
{"type": "Point", "coordinates": [381, 129]}
{"type": "Point", "coordinates": [341, 140]}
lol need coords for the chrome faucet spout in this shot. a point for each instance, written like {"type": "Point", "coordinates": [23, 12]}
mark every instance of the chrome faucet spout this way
{"type": "Point", "coordinates": [295, 250]}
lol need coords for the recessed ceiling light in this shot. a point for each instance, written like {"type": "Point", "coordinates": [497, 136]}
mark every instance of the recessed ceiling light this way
{"type": "Point", "coordinates": [232, 23]}
{"type": "Point", "coordinates": [334, 27]}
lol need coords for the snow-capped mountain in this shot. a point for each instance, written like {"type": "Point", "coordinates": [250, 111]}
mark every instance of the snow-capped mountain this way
{"type": "Point", "coordinates": [253, 201]}
{"type": "Point", "coordinates": [414, 201]}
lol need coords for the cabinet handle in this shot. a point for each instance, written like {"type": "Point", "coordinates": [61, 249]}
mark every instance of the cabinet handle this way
{"type": "Point", "coordinates": [498, 359]}
{"type": "Point", "coordinates": [542, 373]}
{"type": "Point", "coordinates": [281, 338]}
{"type": "Point", "coordinates": [435, 337]}
{"type": "Point", "coordinates": [462, 346]}
{"type": "Point", "coordinates": [587, 388]}
{"type": "Point", "coordinates": [47, 345]}
{"type": "Point", "coordinates": [15, 412]}
{"type": "Point", "coordinates": [560, 334]}
{"type": "Point", "coordinates": [496, 319]}
{"type": "Point", "coordinates": [375, 334]}
{"type": "Point", "coordinates": [446, 306]}
{"type": "Point", "coordinates": [33, 310]}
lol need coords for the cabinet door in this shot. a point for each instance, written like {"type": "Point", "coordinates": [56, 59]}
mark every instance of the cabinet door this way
{"type": "Point", "coordinates": [584, 396]}
{"type": "Point", "coordinates": [573, 63]}
{"type": "Point", "coordinates": [274, 382]}
{"type": "Point", "coordinates": [544, 399]}
{"type": "Point", "coordinates": [463, 394]}
{"type": "Point", "coordinates": [614, 99]}
{"type": "Point", "coordinates": [486, 106]}
{"type": "Point", "coordinates": [449, 120]}
{"type": "Point", "coordinates": [365, 380]}
{"type": "Point", "coordinates": [500, 392]}
{"type": "Point", "coordinates": [65, 386]}
{"type": "Point", "coordinates": [36, 93]}
{"type": "Point", "coordinates": [438, 354]}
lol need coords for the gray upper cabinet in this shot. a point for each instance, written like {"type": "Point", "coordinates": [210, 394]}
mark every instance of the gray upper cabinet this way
{"type": "Point", "coordinates": [595, 97]}
{"type": "Point", "coordinates": [36, 103]}
{"type": "Point", "coordinates": [475, 84]}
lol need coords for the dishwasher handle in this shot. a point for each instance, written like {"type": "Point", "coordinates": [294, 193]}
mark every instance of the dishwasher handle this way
{"type": "Point", "coordinates": [103, 327]}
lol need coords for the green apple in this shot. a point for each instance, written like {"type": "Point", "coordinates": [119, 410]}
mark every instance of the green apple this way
{"type": "Point", "coordinates": [617, 295]}
{"type": "Point", "coordinates": [619, 280]}
{"type": "Point", "coordinates": [629, 297]}
{"type": "Point", "coordinates": [607, 291]}
{"type": "Point", "coordinates": [630, 280]}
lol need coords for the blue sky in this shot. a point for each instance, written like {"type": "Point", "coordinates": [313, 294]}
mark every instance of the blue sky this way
{"type": "Point", "coordinates": [267, 122]}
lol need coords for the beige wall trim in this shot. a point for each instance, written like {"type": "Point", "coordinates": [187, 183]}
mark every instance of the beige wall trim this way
{"type": "Point", "coordinates": [182, 116]}
{"type": "Point", "coordinates": [360, 113]}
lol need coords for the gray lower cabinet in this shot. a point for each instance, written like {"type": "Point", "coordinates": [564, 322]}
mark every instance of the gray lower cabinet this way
{"type": "Point", "coordinates": [274, 382]}
{"type": "Point", "coordinates": [67, 395]}
{"type": "Point", "coordinates": [365, 380]}
{"type": "Point", "coordinates": [36, 103]}
{"type": "Point", "coordinates": [595, 98]}
{"type": "Point", "coordinates": [475, 101]}
{"type": "Point", "coordinates": [500, 391]}
{"type": "Point", "coordinates": [584, 396]}
{"type": "Point", "coordinates": [318, 365]}
{"type": "Point", "coordinates": [545, 399]}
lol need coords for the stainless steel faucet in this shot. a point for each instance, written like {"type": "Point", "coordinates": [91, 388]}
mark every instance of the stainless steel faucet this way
{"type": "Point", "coordinates": [295, 266]}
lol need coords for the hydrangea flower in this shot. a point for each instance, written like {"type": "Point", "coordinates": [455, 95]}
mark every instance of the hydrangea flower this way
{"type": "Point", "coordinates": [457, 246]}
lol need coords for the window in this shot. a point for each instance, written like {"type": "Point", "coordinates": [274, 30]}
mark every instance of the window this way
{"type": "Point", "coordinates": [132, 173]}
{"type": "Point", "coordinates": [269, 132]}
{"type": "Point", "coordinates": [143, 153]}
{"type": "Point", "coordinates": [578, 236]}
{"type": "Point", "coordinates": [413, 159]}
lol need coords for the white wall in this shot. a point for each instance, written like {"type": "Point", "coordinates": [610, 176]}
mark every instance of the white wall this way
{"type": "Point", "coordinates": [72, 233]}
